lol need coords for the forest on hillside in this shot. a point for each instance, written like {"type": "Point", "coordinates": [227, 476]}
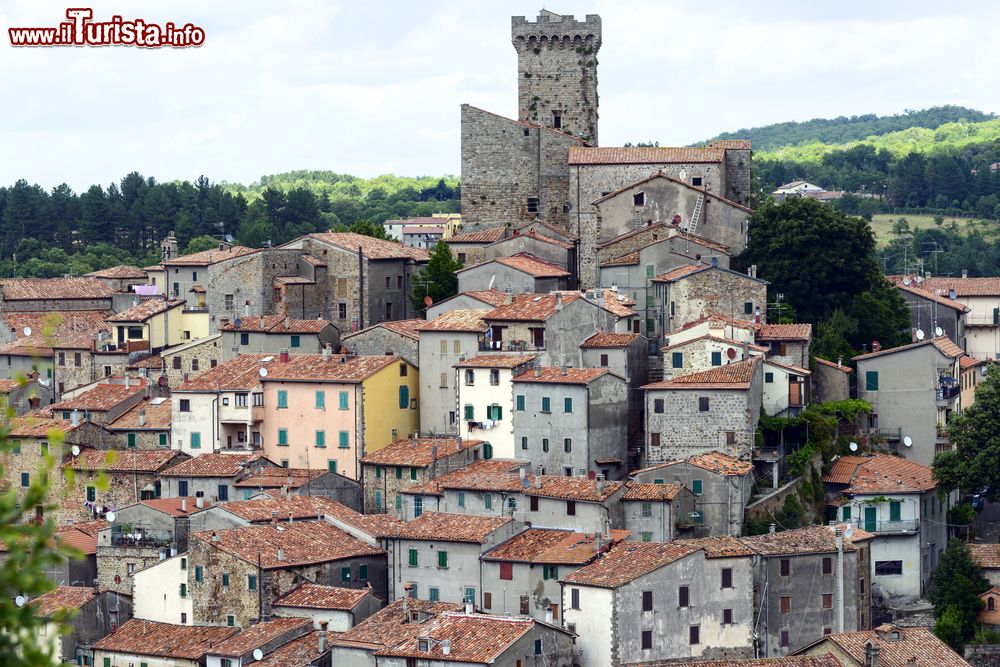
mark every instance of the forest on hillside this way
{"type": "Point", "coordinates": [46, 233]}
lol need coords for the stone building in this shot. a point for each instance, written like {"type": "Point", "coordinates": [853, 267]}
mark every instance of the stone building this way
{"type": "Point", "coordinates": [309, 482]}
{"type": "Point", "coordinates": [626, 355]}
{"type": "Point", "coordinates": [407, 463]}
{"type": "Point", "coordinates": [400, 337]}
{"type": "Point", "coordinates": [155, 323]}
{"type": "Point", "coordinates": [571, 421]}
{"type": "Point", "coordinates": [235, 574]}
{"type": "Point", "coordinates": [159, 644]}
{"type": "Point", "coordinates": [188, 360]}
{"type": "Point", "coordinates": [101, 402]}
{"type": "Point", "coordinates": [648, 602]}
{"type": "Point", "coordinates": [265, 637]}
{"type": "Point", "coordinates": [688, 293]}
{"type": "Point", "coordinates": [121, 278]}
{"type": "Point", "coordinates": [210, 476]}
{"type": "Point", "coordinates": [146, 425]}
{"type": "Point", "coordinates": [366, 280]}
{"type": "Point", "coordinates": [337, 609]}
{"type": "Point", "coordinates": [716, 409]}
{"type": "Point", "coordinates": [887, 646]}
{"type": "Point", "coordinates": [697, 355]}
{"type": "Point", "coordinates": [516, 274]}
{"type": "Point", "coordinates": [445, 341]}
{"type": "Point", "coordinates": [436, 555]}
{"type": "Point", "coordinates": [657, 512]}
{"type": "Point", "coordinates": [987, 556]}
{"type": "Point", "coordinates": [269, 334]}
{"type": "Point", "coordinates": [19, 295]}
{"type": "Point", "coordinates": [22, 395]}
{"type": "Point", "coordinates": [800, 598]}
{"type": "Point", "coordinates": [545, 248]}
{"type": "Point", "coordinates": [933, 308]}
{"type": "Point", "coordinates": [399, 620]}
{"type": "Point", "coordinates": [831, 380]}
{"type": "Point", "coordinates": [721, 486]}
{"type": "Point", "coordinates": [483, 300]}
{"type": "Point", "coordinates": [91, 615]}
{"type": "Point", "coordinates": [470, 248]}
{"type": "Point", "coordinates": [787, 344]}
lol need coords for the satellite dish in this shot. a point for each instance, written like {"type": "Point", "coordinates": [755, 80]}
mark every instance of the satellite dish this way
{"type": "Point", "coordinates": [731, 353]}
{"type": "Point", "coordinates": [27, 331]}
{"type": "Point", "coordinates": [908, 441]}
{"type": "Point", "coordinates": [110, 516]}
{"type": "Point", "coordinates": [258, 654]}
{"type": "Point", "coordinates": [428, 300]}
{"type": "Point", "coordinates": [920, 334]}
{"type": "Point", "coordinates": [848, 532]}
{"type": "Point", "coordinates": [526, 483]}
{"type": "Point", "coordinates": [19, 600]}
{"type": "Point", "coordinates": [876, 346]}
{"type": "Point", "coordinates": [952, 294]}
{"type": "Point", "coordinates": [853, 446]}
{"type": "Point", "coordinates": [938, 331]}
{"type": "Point", "coordinates": [75, 450]}
{"type": "Point", "coordinates": [263, 372]}
{"type": "Point", "coordinates": [906, 281]}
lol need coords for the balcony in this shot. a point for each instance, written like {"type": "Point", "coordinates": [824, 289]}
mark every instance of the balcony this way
{"type": "Point", "coordinates": [948, 391]}
{"type": "Point", "coordinates": [888, 434]}
{"type": "Point", "coordinates": [140, 538]}
{"type": "Point", "coordinates": [888, 527]}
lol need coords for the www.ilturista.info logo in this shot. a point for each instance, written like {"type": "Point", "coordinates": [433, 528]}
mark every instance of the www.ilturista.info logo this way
{"type": "Point", "coordinates": [81, 30]}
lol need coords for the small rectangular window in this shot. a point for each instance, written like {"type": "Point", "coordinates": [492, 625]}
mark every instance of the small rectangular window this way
{"type": "Point", "coordinates": [768, 378]}
{"type": "Point", "coordinates": [682, 596]}
{"type": "Point", "coordinates": [786, 604]}
{"type": "Point", "coordinates": [443, 559]}
{"type": "Point", "coordinates": [696, 487]}
{"type": "Point", "coordinates": [871, 380]}
{"type": "Point", "coordinates": [282, 399]}
{"type": "Point", "coordinates": [282, 437]}
{"type": "Point", "coordinates": [694, 635]}
{"type": "Point", "coordinates": [570, 508]}
{"type": "Point", "coordinates": [647, 640]}
{"type": "Point", "coordinates": [886, 568]}
{"type": "Point", "coordinates": [703, 404]}
{"type": "Point", "coordinates": [574, 598]}
{"type": "Point", "coordinates": [344, 400]}
{"type": "Point", "coordinates": [532, 204]}
{"type": "Point", "coordinates": [783, 638]}
{"type": "Point", "coordinates": [658, 406]}
{"type": "Point", "coordinates": [727, 616]}
{"type": "Point", "coordinates": [568, 404]}
{"type": "Point", "coordinates": [785, 567]}
{"type": "Point", "coordinates": [827, 600]}
{"type": "Point", "coordinates": [748, 308]}
{"type": "Point", "coordinates": [716, 358]}
{"type": "Point", "coordinates": [321, 438]}
{"type": "Point", "coordinates": [639, 199]}
{"type": "Point", "coordinates": [506, 571]}
{"type": "Point", "coordinates": [727, 577]}
{"type": "Point", "coordinates": [647, 600]}
{"type": "Point", "coordinates": [546, 404]}
{"type": "Point", "coordinates": [414, 558]}
{"type": "Point", "coordinates": [343, 440]}
{"type": "Point", "coordinates": [604, 361]}
{"type": "Point", "coordinates": [251, 582]}
{"type": "Point", "coordinates": [828, 565]}
{"type": "Point", "coordinates": [320, 400]}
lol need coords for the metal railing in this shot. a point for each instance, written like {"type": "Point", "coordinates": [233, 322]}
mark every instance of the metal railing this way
{"type": "Point", "coordinates": [887, 433]}
{"type": "Point", "coordinates": [900, 526]}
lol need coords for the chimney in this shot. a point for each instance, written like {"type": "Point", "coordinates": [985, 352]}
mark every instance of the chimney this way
{"type": "Point", "coordinates": [288, 322]}
{"type": "Point", "coordinates": [446, 646]}
{"type": "Point", "coordinates": [274, 516]}
{"type": "Point", "coordinates": [199, 502]}
{"type": "Point", "coordinates": [508, 298]}
{"type": "Point", "coordinates": [746, 350]}
{"type": "Point", "coordinates": [538, 477]}
{"type": "Point", "coordinates": [538, 367]}
{"type": "Point", "coordinates": [965, 273]}
{"type": "Point", "coordinates": [246, 309]}
{"type": "Point", "coordinates": [753, 270]}
{"type": "Point", "coordinates": [771, 528]}
{"type": "Point", "coordinates": [872, 651]}
{"type": "Point", "coordinates": [469, 608]}
{"type": "Point", "coordinates": [127, 381]}
{"type": "Point", "coordinates": [322, 636]}
{"type": "Point", "coordinates": [406, 602]}
{"type": "Point", "coordinates": [597, 542]}
{"type": "Point", "coordinates": [840, 362]}
{"type": "Point", "coordinates": [223, 322]}
{"type": "Point", "coordinates": [184, 505]}
{"type": "Point", "coordinates": [74, 417]}
{"type": "Point", "coordinates": [142, 417]}
{"type": "Point", "coordinates": [281, 554]}
{"type": "Point", "coordinates": [283, 355]}
{"type": "Point", "coordinates": [600, 485]}
{"type": "Point", "coordinates": [564, 370]}
{"type": "Point", "coordinates": [548, 615]}
{"type": "Point", "coordinates": [215, 536]}
{"type": "Point", "coordinates": [327, 352]}
{"type": "Point", "coordinates": [559, 303]}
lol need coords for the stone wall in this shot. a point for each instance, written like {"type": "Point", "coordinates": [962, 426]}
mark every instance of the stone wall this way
{"type": "Point", "coordinates": [494, 275]}
{"type": "Point", "coordinates": [830, 384]}
{"type": "Point", "coordinates": [52, 305]}
{"type": "Point", "coordinates": [379, 340]}
{"type": "Point", "coordinates": [715, 291]}
{"type": "Point", "coordinates": [194, 360]}
{"type": "Point", "coordinates": [113, 561]}
{"type": "Point", "coordinates": [738, 175]}
{"type": "Point", "coordinates": [983, 655]}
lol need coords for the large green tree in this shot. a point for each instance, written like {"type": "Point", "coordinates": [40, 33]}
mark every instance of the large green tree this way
{"type": "Point", "coordinates": [955, 587]}
{"type": "Point", "coordinates": [437, 280]}
{"type": "Point", "coordinates": [972, 464]}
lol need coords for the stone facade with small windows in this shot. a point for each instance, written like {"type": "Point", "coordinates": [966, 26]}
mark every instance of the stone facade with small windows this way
{"type": "Point", "coordinates": [685, 295]}
{"type": "Point", "coordinates": [187, 361]}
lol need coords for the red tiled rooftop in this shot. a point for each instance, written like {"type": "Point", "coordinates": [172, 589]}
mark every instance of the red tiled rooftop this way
{"type": "Point", "coordinates": [276, 324]}
{"type": "Point", "coordinates": [636, 491]}
{"type": "Point", "coordinates": [418, 452]}
{"type": "Point", "coordinates": [263, 509]}
{"type": "Point", "coordinates": [186, 642]}
{"type": "Point", "coordinates": [211, 256]}
{"type": "Point", "coordinates": [313, 596]}
{"type": "Point", "coordinates": [581, 489]}
{"type": "Point", "coordinates": [456, 320]}
{"type": "Point", "coordinates": [146, 309]}
{"type": "Point", "coordinates": [29, 289]}
{"type": "Point", "coordinates": [389, 625]}
{"type": "Point", "coordinates": [496, 361]}
{"type": "Point", "coordinates": [336, 368]}
{"type": "Point", "coordinates": [473, 638]}
{"type": "Point", "coordinates": [721, 463]}
{"type": "Point", "coordinates": [371, 248]}
{"type": "Point", "coordinates": [101, 397]}
{"type": "Point", "coordinates": [880, 473]}
{"type": "Point", "coordinates": [35, 426]}
{"type": "Point", "coordinates": [157, 416]}
{"type": "Point", "coordinates": [551, 546]}
{"type": "Point", "coordinates": [444, 527]}
{"type": "Point", "coordinates": [605, 339]}
{"type": "Point", "coordinates": [986, 555]}
{"type": "Point", "coordinates": [120, 272]}
{"type": "Point", "coordinates": [75, 538]}
{"type": "Point", "coordinates": [212, 464]}
{"type": "Point", "coordinates": [486, 475]}
{"type": "Point", "coordinates": [627, 561]}
{"type": "Point", "coordinates": [833, 364]}
{"type": "Point", "coordinates": [62, 597]}
{"type": "Point", "coordinates": [942, 299]}
{"type": "Point", "coordinates": [808, 540]}
{"type": "Point", "coordinates": [278, 477]}
{"type": "Point", "coordinates": [643, 155]}
{"type": "Point", "coordinates": [989, 286]}
{"type": "Point", "coordinates": [132, 460]}
{"type": "Point", "coordinates": [298, 652]}
{"type": "Point", "coordinates": [239, 374]}
{"type": "Point", "coordinates": [256, 636]}
{"type": "Point", "coordinates": [738, 375]}
{"type": "Point", "coordinates": [943, 344]}
{"type": "Point", "coordinates": [487, 235]}
{"type": "Point", "coordinates": [556, 375]}
{"type": "Point", "coordinates": [530, 307]}
{"type": "Point", "coordinates": [778, 332]}
{"type": "Point", "coordinates": [913, 647]}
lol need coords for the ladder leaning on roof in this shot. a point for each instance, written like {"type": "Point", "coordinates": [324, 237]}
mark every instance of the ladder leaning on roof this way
{"type": "Point", "coordinates": [696, 213]}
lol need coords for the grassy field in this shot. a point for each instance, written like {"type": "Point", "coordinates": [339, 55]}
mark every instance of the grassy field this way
{"type": "Point", "coordinates": [882, 225]}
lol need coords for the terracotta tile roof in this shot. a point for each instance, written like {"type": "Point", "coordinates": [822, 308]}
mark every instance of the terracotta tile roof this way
{"type": "Point", "coordinates": [770, 332]}
{"type": "Point", "coordinates": [102, 397]}
{"type": "Point", "coordinates": [302, 543]}
{"type": "Point", "coordinates": [120, 272]}
{"type": "Point", "coordinates": [710, 336]}
{"type": "Point", "coordinates": [314, 596]}
{"type": "Point", "coordinates": [56, 329]}
{"type": "Point", "coordinates": [617, 304]}
{"type": "Point", "coordinates": [315, 261]}
{"type": "Point", "coordinates": [9, 385]}
{"type": "Point", "coordinates": [915, 647]}
{"type": "Point", "coordinates": [444, 527]}
{"type": "Point", "coordinates": [670, 229]}
{"type": "Point", "coordinates": [941, 300]}
{"type": "Point", "coordinates": [409, 328]}
{"type": "Point", "coordinates": [531, 265]}
{"type": "Point", "coordinates": [211, 256]}
{"type": "Point", "coordinates": [627, 561]}
{"type": "Point", "coordinates": [389, 625]}
{"type": "Point", "coordinates": [798, 370]}
{"type": "Point", "coordinates": [36, 426]}
{"type": "Point", "coordinates": [146, 309]}
{"type": "Point", "coordinates": [424, 229]}
{"type": "Point", "coordinates": [716, 321]}
{"type": "Point", "coordinates": [737, 375]}
{"type": "Point", "coordinates": [375, 525]}
{"type": "Point", "coordinates": [966, 362]}
{"type": "Point", "coordinates": [496, 361]}
{"type": "Point", "coordinates": [62, 597]}
{"type": "Point", "coordinates": [371, 248]}
{"type": "Point", "coordinates": [623, 260]}
{"type": "Point", "coordinates": [605, 339]}
{"type": "Point", "coordinates": [558, 231]}
{"type": "Point", "coordinates": [827, 660]}
{"type": "Point", "coordinates": [733, 144]}
{"type": "Point", "coordinates": [278, 477]}
{"type": "Point", "coordinates": [142, 637]}
{"type": "Point", "coordinates": [486, 475]}
{"type": "Point", "coordinates": [74, 538]}
{"type": "Point", "coordinates": [720, 547]}
{"type": "Point", "coordinates": [212, 464]}
{"type": "Point", "coordinates": [942, 343]}
{"type": "Point", "coordinates": [418, 452]}
{"type": "Point", "coordinates": [701, 240]}
{"type": "Point", "coordinates": [262, 510]}
{"type": "Point", "coordinates": [314, 368]}
{"type": "Point", "coordinates": [718, 462]}
{"type": "Point", "coordinates": [581, 489]}
{"type": "Point", "coordinates": [644, 155]}
{"type": "Point", "coordinates": [298, 652]}
{"type": "Point", "coordinates": [151, 361]}
{"type": "Point", "coordinates": [680, 272]}
{"type": "Point", "coordinates": [91, 528]}
{"type": "Point", "coordinates": [529, 307]}
{"type": "Point", "coordinates": [276, 324]}
{"type": "Point", "coordinates": [157, 417]}
{"type": "Point", "coordinates": [880, 473]}
{"type": "Point", "coordinates": [962, 286]}
{"type": "Point", "coordinates": [808, 540]}
{"type": "Point", "coordinates": [833, 364]}
{"type": "Point", "coordinates": [29, 289]}
{"type": "Point", "coordinates": [256, 636]}
{"type": "Point", "coordinates": [650, 492]}
{"type": "Point", "coordinates": [555, 375]}
{"type": "Point", "coordinates": [559, 243]}
{"type": "Point", "coordinates": [486, 235]}
{"type": "Point", "coordinates": [241, 373]}
{"type": "Point", "coordinates": [456, 320]}
{"type": "Point", "coordinates": [133, 460]}
{"type": "Point", "coordinates": [475, 638]}
{"type": "Point", "coordinates": [552, 546]}
{"type": "Point", "coordinates": [986, 555]}
{"type": "Point", "coordinates": [173, 506]}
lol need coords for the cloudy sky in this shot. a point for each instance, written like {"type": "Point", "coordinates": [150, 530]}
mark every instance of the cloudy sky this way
{"type": "Point", "coordinates": [375, 87]}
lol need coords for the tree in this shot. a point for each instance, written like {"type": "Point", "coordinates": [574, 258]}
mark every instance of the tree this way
{"type": "Point", "coordinates": [972, 464]}
{"type": "Point", "coordinates": [954, 591]}
{"type": "Point", "coordinates": [437, 280]}
{"type": "Point", "coordinates": [818, 257]}
{"type": "Point", "coordinates": [199, 243]}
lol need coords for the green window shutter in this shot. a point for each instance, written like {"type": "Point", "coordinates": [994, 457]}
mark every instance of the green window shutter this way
{"type": "Point", "coordinates": [442, 559]}
{"type": "Point", "coordinates": [320, 400]}
{"type": "Point", "coordinates": [344, 400]}
{"type": "Point", "coordinates": [91, 494]}
{"type": "Point", "coordinates": [845, 513]}
{"type": "Point", "coordinates": [996, 316]}
{"type": "Point", "coordinates": [461, 498]}
{"type": "Point", "coordinates": [196, 441]}
{"type": "Point", "coordinates": [331, 465]}
{"type": "Point", "coordinates": [163, 440]}
{"type": "Point", "coordinates": [435, 594]}
{"type": "Point", "coordinates": [251, 582]}
{"type": "Point", "coordinates": [296, 341]}
{"type": "Point", "coordinates": [198, 573]}
{"type": "Point", "coordinates": [717, 358]}
{"type": "Point", "coordinates": [677, 359]}
{"type": "Point", "coordinates": [469, 413]}
{"type": "Point", "coordinates": [283, 437]}
{"type": "Point", "coordinates": [413, 474]}
{"type": "Point", "coordinates": [894, 510]}
{"type": "Point", "coordinates": [488, 501]}
{"type": "Point", "coordinates": [345, 574]}
{"type": "Point", "coordinates": [344, 440]}
{"type": "Point", "coordinates": [378, 499]}
{"type": "Point", "coordinates": [399, 502]}
{"type": "Point", "coordinates": [225, 580]}
{"type": "Point", "coordinates": [399, 472]}
{"type": "Point", "coordinates": [696, 487]}
{"type": "Point", "coordinates": [413, 558]}
{"type": "Point", "coordinates": [282, 398]}
{"type": "Point", "coordinates": [321, 438]}
{"type": "Point", "coordinates": [404, 397]}
{"type": "Point", "coordinates": [871, 381]}
{"type": "Point", "coordinates": [546, 404]}
{"type": "Point", "coordinates": [768, 378]}
{"type": "Point", "coordinates": [567, 404]}
{"type": "Point", "coordinates": [130, 438]}
{"type": "Point", "coordinates": [184, 590]}
{"type": "Point", "coordinates": [378, 472]}
{"type": "Point", "coordinates": [230, 622]}
{"type": "Point", "coordinates": [649, 270]}
{"type": "Point", "coordinates": [520, 403]}
{"type": "Point", "coordinates": [649, 301]}
{"type": "Point", "coordinates": [487, 451]}
{"type": "Point", "coordinates": [107, 662]}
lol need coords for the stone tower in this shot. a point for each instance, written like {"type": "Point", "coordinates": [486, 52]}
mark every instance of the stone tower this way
{"type": "Point", "coordinates": [557, 72]}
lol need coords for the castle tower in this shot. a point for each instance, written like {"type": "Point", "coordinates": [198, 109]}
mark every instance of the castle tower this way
{"type": "Point", "coordinates": [557, 72]}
